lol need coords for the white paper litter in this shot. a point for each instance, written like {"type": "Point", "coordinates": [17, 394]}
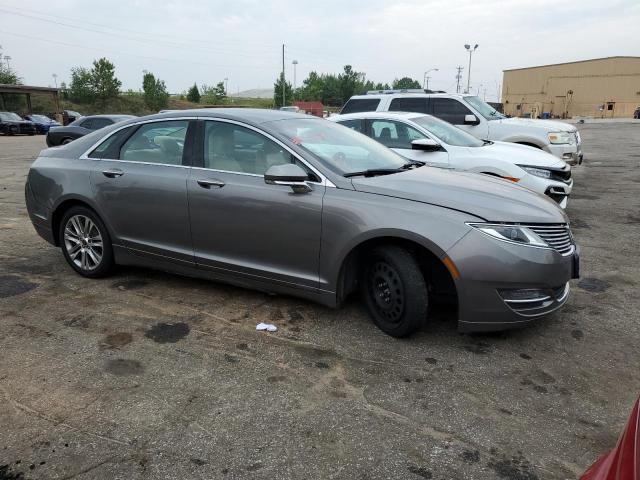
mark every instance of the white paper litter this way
{"type": "Point", "coordinates": [269, 327]}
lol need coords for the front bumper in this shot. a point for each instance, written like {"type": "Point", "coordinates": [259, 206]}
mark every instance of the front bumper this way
{"type": "Point", "coordinates": [569, 152]}
{"type": "Point", "coordinates": [492, 275]}
{"type": "Point", "coordinates": [558, 191]}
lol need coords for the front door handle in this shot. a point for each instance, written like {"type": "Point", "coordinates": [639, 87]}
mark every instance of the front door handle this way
{"type": "Point", "coordinates": [113, 173]}
{"type": "Point", "coordinates": [210, 182]}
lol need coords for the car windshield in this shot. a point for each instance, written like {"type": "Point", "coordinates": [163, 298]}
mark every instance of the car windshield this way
{"type": "Point", "coordinates": [447, 133]}
{"type": "Point", "coordinates": [40, 118]}
{"type": "Point", "coordinates": [10, 117]}
{"type": "Point", "coordinates": [341, 149]}
{"type": "Point", "coordinates": [486, 110]}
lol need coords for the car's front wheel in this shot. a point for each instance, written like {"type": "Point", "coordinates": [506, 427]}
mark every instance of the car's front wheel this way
{"type": "Point", "coordinates": [85, 243]}
{"type": "Point", "coordinates": [66, 141]}
{"type": "Point", "coordinates": [394, 290]}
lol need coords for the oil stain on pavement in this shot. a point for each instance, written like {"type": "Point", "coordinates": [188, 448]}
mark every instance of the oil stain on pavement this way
{"type": "Point", "coordinates": [168, 332]}
{"type": "Point", "coordinates": [122, 367]}
{"type": "Point", "coordinates": [593, 284]}
{"type": "Point", "coordinates": [11, 285]}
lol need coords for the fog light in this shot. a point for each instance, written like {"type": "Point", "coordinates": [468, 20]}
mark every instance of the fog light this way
{"type": "Point", "coordinates": [522, 295]}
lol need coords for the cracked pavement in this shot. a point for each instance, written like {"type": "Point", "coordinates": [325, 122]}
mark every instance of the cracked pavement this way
{"type": "Point", "coordinates": [150, 375]}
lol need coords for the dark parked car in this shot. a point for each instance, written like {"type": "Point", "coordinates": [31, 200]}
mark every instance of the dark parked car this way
{"type": "Point", "coordinates": [294, 204]}
{"type": "Point", "coordinates": [42, 123]}
{"type": "Point", "coordinates": [13, 124]}
{"type": "Point", "coordinates": [84, 125]}
{"type": "Point", "coordinates": [70, 116]}
{"type": "Point", "coordinates": [636, 114]}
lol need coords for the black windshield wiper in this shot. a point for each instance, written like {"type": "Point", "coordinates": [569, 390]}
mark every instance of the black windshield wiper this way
{"type": "Point", "coordinates": [413, 163]}
{"type": "Point", "coordinates": [373, 172]}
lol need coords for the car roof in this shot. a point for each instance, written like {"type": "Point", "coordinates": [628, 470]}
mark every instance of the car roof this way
{"type": "Point", "coordinates": [412, 95]}
{"type": "Point", "coordinates": [250, 115]}
{"type": "Point", "coordinates": [388, 115]}
{"type": "Point", "coordinates": [122, 117]}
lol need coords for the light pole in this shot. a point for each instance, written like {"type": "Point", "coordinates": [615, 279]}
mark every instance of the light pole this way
{"type": "Point", "coordinates": [470, 50]}
{"type": "Point", "coordinates": [7, 58]}
{"type": "Point", "coordinates": [55, 79]}
{"type": "Point", "coordinates": [226, 85]}
{"type": "Point", "coordinates": [425, 79]}
{"type": "Point", "coordinates": [295, 64]}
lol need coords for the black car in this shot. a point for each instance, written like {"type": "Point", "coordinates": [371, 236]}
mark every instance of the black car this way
{"type": "Point", "coordinates": [636, 114]}
{"type": "Point", "coordinates": [81, 127]}
{"type": "Point", "coordinates": [12, 124]}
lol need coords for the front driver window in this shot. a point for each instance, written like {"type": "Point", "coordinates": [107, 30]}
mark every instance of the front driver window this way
{"type": "Point", "coordinates": [157, 142]}
{"type": "Point", "coordinates": [230, 147]}
{"type": "Point", "coordinates": [394, 134]}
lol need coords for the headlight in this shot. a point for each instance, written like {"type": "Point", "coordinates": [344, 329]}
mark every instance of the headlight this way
{"type": "Point", "coordinates": [538, 172]}
{"type": "Point", "coordinates": [510, 233]}
{"type": "Point", "coordinates": [559, 137]}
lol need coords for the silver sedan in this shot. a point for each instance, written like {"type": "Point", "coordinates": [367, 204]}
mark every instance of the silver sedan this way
{"type": "Point", "coordinates": [291, 204]}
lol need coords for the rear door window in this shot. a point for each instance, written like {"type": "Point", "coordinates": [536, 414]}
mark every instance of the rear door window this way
{"type": "Point", "coordinates": [99, 123]}
{"type": "Point", "coordinates": [449, 110]}
{"type": "Point", "coordinates": [394, 134]}
{"type": "Point", "coordinates": [157, 142]}
{"type": "Point", "coordinates": [409, 105]}
{"type": "Point", "coordinates": [357, 124]}
{"type": "Point", "coordinates": [357, 105]}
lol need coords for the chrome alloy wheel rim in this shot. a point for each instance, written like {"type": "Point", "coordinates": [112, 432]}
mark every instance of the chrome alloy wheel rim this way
{"type": "Point", "coordinates": [83, 242]}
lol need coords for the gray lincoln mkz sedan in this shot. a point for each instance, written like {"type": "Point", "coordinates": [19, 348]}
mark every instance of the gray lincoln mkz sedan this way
{"type": "Point", "coordinates": [293, 204]}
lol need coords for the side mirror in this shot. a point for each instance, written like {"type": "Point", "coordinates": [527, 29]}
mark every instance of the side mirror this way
{"type": "Point", "coordinates": [471, 120]}
{"type": "Point", "coordinates": [425, 144]}
{"type": "Point", "coordinates": [288, 174]}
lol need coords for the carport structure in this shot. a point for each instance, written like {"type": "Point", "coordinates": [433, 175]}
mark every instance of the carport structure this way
{"type": "Point", "coordinates": [28, 91]}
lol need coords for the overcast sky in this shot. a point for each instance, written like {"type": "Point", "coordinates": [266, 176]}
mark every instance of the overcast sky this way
{"type": "Point", "coordinates": [190, 41]}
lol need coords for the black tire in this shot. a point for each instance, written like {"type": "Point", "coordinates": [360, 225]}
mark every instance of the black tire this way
{"type": "Point", "coordinates": [394, 290]}
{"type": "Point", "coordinates": [65, 141]}
{"type": "Point", "coordinates": [12, 130]}
{"type": "Point", "coordinates": [93, 269]}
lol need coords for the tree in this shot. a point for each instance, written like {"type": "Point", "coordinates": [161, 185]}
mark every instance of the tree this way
{"type": "Point", "coordinates": [81, 86]}
{"type": "Point", "coordinates": [277, 92]}
{"type": "Point", "coordinates": [156, 96]}
{"type": "Point", "coordinates": [103, 80]}
{"type": "Point", "coordinates": [349, 82]}
{"type": "Point", "coordinates": [193, 95]}
{"type": "Point", "coordinates": [213, 95]}
{"type": "Point", "coordinates": [406, 82]}
{"type": "Point", "coordinates": [9, 76]}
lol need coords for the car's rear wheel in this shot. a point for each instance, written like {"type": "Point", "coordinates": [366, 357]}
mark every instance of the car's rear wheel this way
{"type": "Point", "coordinates": [85, 242]}
{"type": "Point", "coordinates": [66, 140]}
{"type": "Point", "coordinates": [394, 290]}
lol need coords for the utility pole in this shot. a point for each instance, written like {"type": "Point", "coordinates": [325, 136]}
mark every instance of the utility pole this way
{"type": "Point", "coordinates": [284, 103]}
{"type": "Point", "coordinates": [226, 85]}
{"type": "Point", "coordinates": [55, 79]}
{"type": "Point", "coordinates": [458, 78]}
{"type": "Point", "coordinates": [470, 50]}
{"type": "Point", "coordinates": [7, 58]}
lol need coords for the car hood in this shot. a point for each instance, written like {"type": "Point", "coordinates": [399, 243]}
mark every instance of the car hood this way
{"type": "Point", "coordinates": [492, 199]}
{"type": "Point", "coordinates": [547, 125]}
{"type": "Point", "coordinates": [519, 155]}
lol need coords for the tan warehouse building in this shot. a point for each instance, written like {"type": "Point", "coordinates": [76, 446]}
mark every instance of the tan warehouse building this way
{"type": "Point", "coordinates": [602, 87]}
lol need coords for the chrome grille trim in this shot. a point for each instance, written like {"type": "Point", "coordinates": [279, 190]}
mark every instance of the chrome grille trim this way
{"type": "Point", "coordinates": [557, 237]}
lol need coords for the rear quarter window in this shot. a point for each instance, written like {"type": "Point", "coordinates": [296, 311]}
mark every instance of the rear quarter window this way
{"type": "Point", "coordinates": [356, 105]}
{"type": "Point", "coordinates": [418, 105]}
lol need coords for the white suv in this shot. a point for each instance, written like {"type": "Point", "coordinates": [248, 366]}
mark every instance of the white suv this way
{"type": "Point", "coordinates": [476, 117]}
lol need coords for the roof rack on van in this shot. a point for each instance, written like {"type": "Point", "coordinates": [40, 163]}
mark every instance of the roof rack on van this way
{"type": "Point", "coordinates": [403, 90]}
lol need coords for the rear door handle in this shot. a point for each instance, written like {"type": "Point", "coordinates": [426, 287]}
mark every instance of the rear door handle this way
{"type": "Point", "coordinates": [210, 182]}
{"type": "Point", "coordinates": [113, 173]}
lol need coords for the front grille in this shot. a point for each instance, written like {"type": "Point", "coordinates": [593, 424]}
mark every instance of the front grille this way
{"type": "Point", "coordinates": [557, 236]}
{"type": "Point", "coordinates": [561, 175]}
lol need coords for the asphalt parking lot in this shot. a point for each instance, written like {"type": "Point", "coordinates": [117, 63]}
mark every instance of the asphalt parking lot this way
{"type": "Point", "coordinates": [150, 375]}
